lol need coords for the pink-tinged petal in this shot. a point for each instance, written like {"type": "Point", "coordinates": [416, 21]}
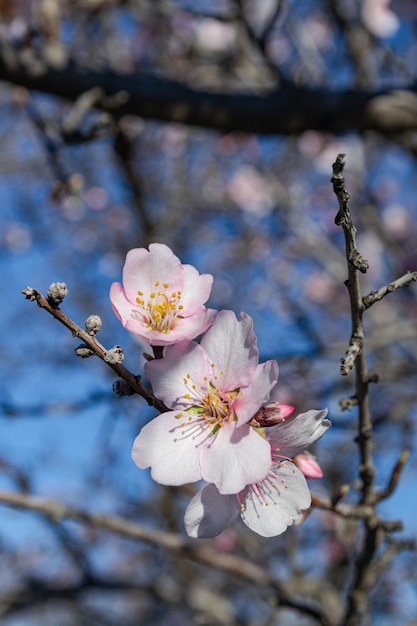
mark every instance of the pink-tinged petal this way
{"type": "Point", "coordinates": [143, 269]}
{"type": "Point", "coordinates": [297, 433]}
{"type": "Point", "coordinates": [169, 449]}
{"type": "Point", "coordinates": [269, 508]}
{"type": "Point", "coordinates": [121, 305]}
{"type": "Point", "coordinates": [196, 290]}
{"type": "Point", "coordinates": [182, 377]}
{"type": "Point", "coordinates": [184, 329]}
{"type": "Point", "coordinates": [235, 457]}
{"type": "Point", "coordinates": [231, 346]}
{"type": "Point", "coordinates": [307, 463]}
{"type": "Point", "coordinates": [250, 399]}
{"type": "Point", "coordinates": [285, 410]}
{"type": "Point", "coordinates": [210, 512]}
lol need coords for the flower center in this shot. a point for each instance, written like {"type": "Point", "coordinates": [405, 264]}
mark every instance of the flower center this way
{"type": "Point", "coordinates": [161, 310]}
{"type": "Point", "coordinates": [211, 406]}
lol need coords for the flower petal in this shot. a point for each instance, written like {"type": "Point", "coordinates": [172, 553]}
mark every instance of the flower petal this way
{"type": "Point", "coordinates": [121, 305]}
{"type": "Point", "coordinates": [249, 400]}
{"type": "Point", "coordinates": [143, 269]}
{"type": "Point", "coordinates": [210, 512]}
{"type": "Point", "coordinates": [234, 458]}
{"type": "Point", "coordinates": [196, 290]}
{"type": "Point", "coordinates": [296, 434]}
{"type": "Point", "coordinates": [273, 505]}
{"type": "Point", "coordinates": [185, 329]}
{"type": "Point", "coordinates": [168, 448]}
{"type": "Point", "coordinates": [184, 371]}
{"type": "Point", "coordinates": [231, 345]}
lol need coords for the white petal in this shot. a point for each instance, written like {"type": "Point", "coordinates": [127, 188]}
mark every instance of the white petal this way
{"type": "Point", "coordinates": [169, 449]}
{"type": "Point", "coordinates": [173, 378]}
{"type": "Point", "coordinates": [231, 345]}
{"type": "Point", "coordinates": [209, 513]}
{"type": "Point", "coordinates": [277, 502]}
{"type": "Point", "coordinates": [235, 457]}
{"type": "Point", "coordinates": [296, 434]}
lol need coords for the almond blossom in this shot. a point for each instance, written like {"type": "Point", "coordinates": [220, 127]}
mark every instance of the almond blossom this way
{"type": "Point", "coordinates": [162, 300]}
{"type": "Point", "coordinates": [268, 506]}
{"type": "Point", "coordinates": [213, 388]}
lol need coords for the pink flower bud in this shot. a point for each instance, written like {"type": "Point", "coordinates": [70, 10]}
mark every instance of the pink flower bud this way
{"type": "Point", "coordinates": [271, 414]}
{"type": "Point", "coordinates": [307, 463]}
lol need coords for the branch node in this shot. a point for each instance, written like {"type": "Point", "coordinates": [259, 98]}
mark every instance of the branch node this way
{"type": "Point", "coordinates": [358, 261]}
{"type": "Point", "coordinates": [122, 388]}
{"type": "Point", "coordinates": [348, 362]}
{"type": "Point", "coordinates": [347, 404]}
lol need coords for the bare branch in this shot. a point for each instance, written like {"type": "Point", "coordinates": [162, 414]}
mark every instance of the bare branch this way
{"type": "Point", "coordinates": [287, 111]}
{"type": "Point", "coordinates": [93, 344]}
{"type": "Point", "coordinates": [243, 568]}
{"type": "Point", "coordinates": [375, 296]}
{"type": "Point", "coordinates": [395, 477]}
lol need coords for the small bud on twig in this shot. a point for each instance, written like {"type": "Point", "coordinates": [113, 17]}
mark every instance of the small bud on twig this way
{"type": "Point", "coordinates": [83, 351]}
{"type": "Point", "coordinates": [114, 356]}
{"type": "Point", "coordinates": [56, 293]}
{"type": "Point", "coordinates": [93, 324]}
{"type": "Point", "coordinates": [122, 388]}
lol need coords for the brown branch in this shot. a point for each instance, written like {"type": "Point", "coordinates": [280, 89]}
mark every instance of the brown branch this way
{"type": "Point", "coordinates": [287, 111]}
{"type": "Point", "coordinates": [96, 347]}
{"type": "Point", "coordinates": [205, 554]}
{"type": "Point", "coordinates": [394, 478]}
{"type": "Point", "coordinates": [376, 296]}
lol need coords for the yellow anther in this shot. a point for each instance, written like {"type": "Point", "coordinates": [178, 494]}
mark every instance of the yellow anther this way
{"type": "Point", "coordinates": [166, 285]}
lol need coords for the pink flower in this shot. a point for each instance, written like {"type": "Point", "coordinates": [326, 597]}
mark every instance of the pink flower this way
{"type": "Point", "coordinates": [161, 300]}
{"type": "Point", "coordinates": [214, 388]}
{"type": "Point", "coordinates": [269, 506]}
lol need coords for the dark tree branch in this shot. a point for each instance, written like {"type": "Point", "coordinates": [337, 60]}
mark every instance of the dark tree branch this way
{"type": "Point", "coordinates": [368, 565]}
{"type": "Point", "coordinates": [288, 111]}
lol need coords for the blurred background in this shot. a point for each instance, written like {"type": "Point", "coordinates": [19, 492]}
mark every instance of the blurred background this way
{"type": "Point", "coordinates": [83, 179]}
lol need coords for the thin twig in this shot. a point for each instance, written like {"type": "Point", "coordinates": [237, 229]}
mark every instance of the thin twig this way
{"type": "Point", "coordinates": [375, 296]}
{"type": "Point", "coordinates": [98, 349]}
{"type": "Point", "coordinates": [395, 477]}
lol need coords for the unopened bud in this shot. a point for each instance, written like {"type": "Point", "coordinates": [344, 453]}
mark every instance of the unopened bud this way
{"type": "Point", "coordinates": [306, 462]}
{"type": "Point", "coordinates": [93, 324]}
{"type": "Point", "coordinates": [114, 356]}
{"type": "Point", "coordinates": [56, 293]}
{"type": "Point", "coordinates": [271, 414]}
{"type": "Point", "coordinates": [30, 293]}
{"type": "Point", "coordinates": [83, 351]}
{"type": "Point", "coordinates": [122, 388]}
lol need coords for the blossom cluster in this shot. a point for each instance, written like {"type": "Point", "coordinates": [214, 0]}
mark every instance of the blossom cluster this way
{"type": "Point", "coordinates": [221, 427]}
